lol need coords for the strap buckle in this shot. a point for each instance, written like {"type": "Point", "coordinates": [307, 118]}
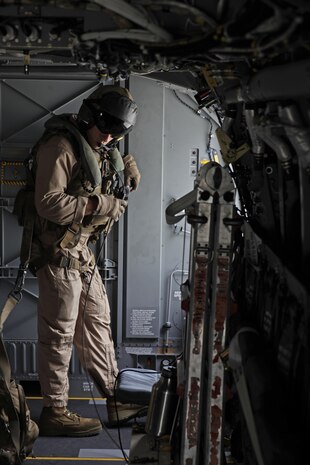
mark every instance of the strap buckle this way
{"type": "Point", "coordinates": [16, 292]}
{"type": "Point", "coordinates": [67, 262]}
{"type": "Point", "coordinates": [71, 237]}
{"type": "Point", "coordinates": [73, 228]}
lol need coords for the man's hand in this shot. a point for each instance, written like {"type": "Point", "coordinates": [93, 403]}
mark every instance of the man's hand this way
{"type": "Point", "coordinates": [118, 209]}
{"type": "Point", "coordinates": [132, 175]}
{"type": "Point", "coordinates": [107, 205]}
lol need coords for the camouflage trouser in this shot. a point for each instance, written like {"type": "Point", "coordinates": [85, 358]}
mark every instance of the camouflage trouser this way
{"type": "Point", "coordinates": [69, 312]}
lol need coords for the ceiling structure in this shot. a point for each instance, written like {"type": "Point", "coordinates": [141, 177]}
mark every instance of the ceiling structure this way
{"type": "Point", "coordinates": [211, 42]}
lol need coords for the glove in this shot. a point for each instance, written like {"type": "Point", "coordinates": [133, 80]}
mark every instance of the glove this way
{"type": "Point", "coordinates": [132, 175]}
{"type": "Point", "coordinates": [110, 206]}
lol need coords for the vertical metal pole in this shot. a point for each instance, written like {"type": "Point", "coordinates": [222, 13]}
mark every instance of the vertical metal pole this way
{"type": "Point", "coordinates": [195, 334]}
{"type": "Point", "coordinates": [216, 337]}
{"type": "Point", "coordinates": [209, 283]}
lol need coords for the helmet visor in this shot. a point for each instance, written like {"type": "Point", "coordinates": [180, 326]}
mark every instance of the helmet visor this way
{"type": "Point", "coordinates": [109, 124]}
{"type": "Point", "coordinates": [113, 114]}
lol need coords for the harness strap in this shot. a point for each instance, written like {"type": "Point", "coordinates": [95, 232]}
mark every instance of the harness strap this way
{"type": "Point", "coordinates": [9, 305]}
{"type": "Point", "coordinates": [71, 263]}
{"type": "Point", "coordinates": [71, 236]}
{"type": "Point", "coordinates": [15, 295]}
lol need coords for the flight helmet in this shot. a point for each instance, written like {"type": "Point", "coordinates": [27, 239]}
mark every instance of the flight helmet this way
{"type": "Point", "coordinates": [111, 109]}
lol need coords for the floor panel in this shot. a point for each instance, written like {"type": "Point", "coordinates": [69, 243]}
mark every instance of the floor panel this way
{"type": "Point", "coordinates": [104, 447]}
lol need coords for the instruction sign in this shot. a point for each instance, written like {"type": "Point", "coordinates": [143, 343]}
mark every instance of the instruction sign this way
{"type": "Point", "coordinates": [142, 323]}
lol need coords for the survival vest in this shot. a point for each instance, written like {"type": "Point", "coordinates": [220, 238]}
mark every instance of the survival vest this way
{"type": "Point", "coordinates": [88, 182]}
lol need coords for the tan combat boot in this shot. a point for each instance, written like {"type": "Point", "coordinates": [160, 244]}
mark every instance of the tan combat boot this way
{"type": "Point", "coordinates": [119, 413]}
{"type": "Point", "coordinates": [59, 421]}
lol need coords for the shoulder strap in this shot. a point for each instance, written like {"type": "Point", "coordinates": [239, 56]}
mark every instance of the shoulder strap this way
{"type": "Point", "coordinates": [88, 160]}
{"type": "Point", "coordinates": [15, 295]}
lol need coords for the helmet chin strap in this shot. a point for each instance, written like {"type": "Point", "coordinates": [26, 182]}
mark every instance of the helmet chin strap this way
{"type": "Point", "coordinates": [105, 147]}
{"type": "Point", "coordinates": [110, 145]}
{"type": "Point", "coordinates": [84, 126]}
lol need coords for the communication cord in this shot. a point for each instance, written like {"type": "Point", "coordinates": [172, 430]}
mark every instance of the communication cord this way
{"type": "Point", "coordinates": [83, 337]}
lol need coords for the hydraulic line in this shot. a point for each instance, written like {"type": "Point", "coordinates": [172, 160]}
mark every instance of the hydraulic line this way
{"type": "Point", "coordinates": [182, 6]}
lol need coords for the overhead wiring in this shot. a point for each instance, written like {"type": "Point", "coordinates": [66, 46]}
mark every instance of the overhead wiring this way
{"type": "Point", "coordinates": [194, 110]}
{"type": "Point", "coordinates": [257, 48]}
{"type": "Point", "coordinates": [198, 112]}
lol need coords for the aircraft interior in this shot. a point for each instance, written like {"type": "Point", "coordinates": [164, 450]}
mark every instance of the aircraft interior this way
{"type": "Point", "coordinates": [207, 271]}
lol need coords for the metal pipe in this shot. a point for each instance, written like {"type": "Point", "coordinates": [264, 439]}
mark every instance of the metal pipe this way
{"type": "Point", "coordinates": [296, 131]}
{"type": "Point", "coordinates": [278, 144]}
{"type": "Point", "coordinates": [299, 136]}
{"type": "Point", "coordinates": [183, 6]}
{"type": "Point", "coordinates": [128, 34]}
{"type": "Point", "coordinates": [258, 147]}
{"type": "Point", "coordinates": [133, 14]}
{"type": "Point", "coordinates": [281, 82]}
{"type": "Point", "coordinates": [274, 82]}
{"type": "Point", "coordinates": [289, 114]}
{"type": "Point", "coordinates": [261, 48]}
{"type": "Point", "coordinates": [227, 123]}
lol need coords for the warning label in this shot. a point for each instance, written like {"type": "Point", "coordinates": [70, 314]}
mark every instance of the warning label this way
{"type": "Point", "coordinates": [142, 322]}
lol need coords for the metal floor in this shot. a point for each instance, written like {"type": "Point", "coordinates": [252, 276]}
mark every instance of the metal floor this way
{"type": "Point", "coordinates": [103, 448]}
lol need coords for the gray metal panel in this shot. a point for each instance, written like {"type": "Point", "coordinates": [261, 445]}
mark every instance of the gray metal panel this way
{"type": "Point", "coordinates": [145, 206]}
{"type": "Point", "coordinates": [162, 142]}
{"type": "Point", "coordinates": [27, 104]}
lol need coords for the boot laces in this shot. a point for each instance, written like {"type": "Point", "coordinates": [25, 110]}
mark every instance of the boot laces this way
{"type": "Point", "coordinates": [71, 414]}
